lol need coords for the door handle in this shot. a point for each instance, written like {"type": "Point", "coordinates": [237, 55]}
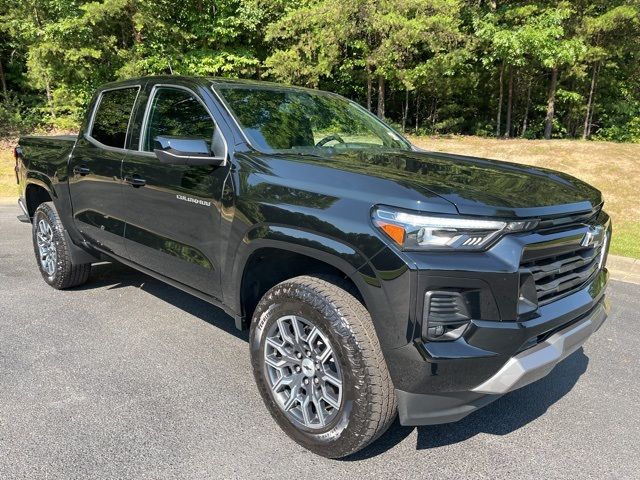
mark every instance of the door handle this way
{"type": "Point", "coordinates": [82, 170]}
{"type": "Point", "coordinates": [135, 181]}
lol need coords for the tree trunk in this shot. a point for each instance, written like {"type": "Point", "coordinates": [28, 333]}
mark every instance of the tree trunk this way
{"type": "Point", "coordinates": [3, 82]}
{"type": "Point", "coordinates": [587, 118]}
{"type": "Point", "coordinates": [551, 104]}
{"type": "Point", "coordinates": [49, 97]}
{"type": "Point", "coordinates": [525, 120]}
{"type": "Point", "coordinates": [381, 97]}
{"type": "Point", "coordinates": [369, 88]}
{"type": "Point", "coordinates": [499, 115]}
{"type": "Point", "coordinates": [405, 113]}
{"type": "Point", "coordinates": [507, 128]}
{"type": "Point", "coordinates": [434, 115]}
{"type": "Point", "coordinates": [593, 109]}
{"type": "Point", "coordinates": [417, 112]}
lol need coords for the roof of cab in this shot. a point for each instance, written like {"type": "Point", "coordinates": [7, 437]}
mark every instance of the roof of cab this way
{"type": "Point", "coordinates": [213, 81]}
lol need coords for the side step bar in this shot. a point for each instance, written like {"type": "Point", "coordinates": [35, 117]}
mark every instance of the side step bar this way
{"type": "Point", "coordinates": [24, 218]}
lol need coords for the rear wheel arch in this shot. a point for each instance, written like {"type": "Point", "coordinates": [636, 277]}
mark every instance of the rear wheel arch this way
{"type": "Point", "coordinates": [35, 195]}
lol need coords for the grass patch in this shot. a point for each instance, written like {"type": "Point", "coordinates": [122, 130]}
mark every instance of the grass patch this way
{"type": "Point", "coordinates": [625, 239]}
{"type": "Point", "coordinates": [8, 186]}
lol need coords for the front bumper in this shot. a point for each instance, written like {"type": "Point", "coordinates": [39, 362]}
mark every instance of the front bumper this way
{"type": "Point", "coordinates": [521, 369]}
{"type": "Point", "coordinates": [518, 301]}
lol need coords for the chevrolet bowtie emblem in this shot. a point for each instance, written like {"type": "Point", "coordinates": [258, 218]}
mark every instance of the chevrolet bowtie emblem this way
{"type": "Point", "coordinates": [593, 236]}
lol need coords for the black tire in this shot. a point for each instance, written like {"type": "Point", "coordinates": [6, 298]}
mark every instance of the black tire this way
{"type": "Point", "coordinates": [368, 404]}
{"type": "Point", "coordinates": [65, 274]}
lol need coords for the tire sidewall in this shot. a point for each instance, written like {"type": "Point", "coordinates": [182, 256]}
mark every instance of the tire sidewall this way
{"type": "Point", "coordinates": [342, 432]}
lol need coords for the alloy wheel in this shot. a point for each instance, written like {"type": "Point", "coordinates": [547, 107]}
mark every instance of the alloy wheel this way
{"type": "Point", "coordinates": [304, 376]}
{"type": "Point", "coordinates": [46, 247]}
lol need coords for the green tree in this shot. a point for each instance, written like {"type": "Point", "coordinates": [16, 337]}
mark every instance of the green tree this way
{"type": "Point", "coordinates": [382, 39]}
{"type": "Point", "coordinates": [538, 68]}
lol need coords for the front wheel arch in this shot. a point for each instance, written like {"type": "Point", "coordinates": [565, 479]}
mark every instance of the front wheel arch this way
{"type": "Point", "coordinates": [268, 266]}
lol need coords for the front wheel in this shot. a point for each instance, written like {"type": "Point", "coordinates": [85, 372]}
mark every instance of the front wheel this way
{"type": "Point", "coordinates": [319, 368]}
{"type": "Point", "coordinates": [53, 252]}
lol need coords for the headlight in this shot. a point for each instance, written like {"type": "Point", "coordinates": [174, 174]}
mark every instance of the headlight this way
{"type": "Point", "coordinates": [426, 232]}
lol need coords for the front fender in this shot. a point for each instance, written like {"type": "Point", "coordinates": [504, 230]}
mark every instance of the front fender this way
{"type": "Point", "coordinates": [325, 249]}
{"type": "Point", "coordinates": [335, 252]}
{"type": "Point", "coordinates": [387, 299]}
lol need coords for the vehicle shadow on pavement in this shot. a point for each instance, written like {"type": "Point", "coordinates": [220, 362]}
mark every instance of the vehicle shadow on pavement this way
{"type": "Point", "coordinates": [116, 275]}
{"type": "Point", "coordinates": [501, 417]}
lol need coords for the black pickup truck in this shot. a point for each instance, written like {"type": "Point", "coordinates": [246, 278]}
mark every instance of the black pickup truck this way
{"type": "Point", "coordinates": [376, 278]}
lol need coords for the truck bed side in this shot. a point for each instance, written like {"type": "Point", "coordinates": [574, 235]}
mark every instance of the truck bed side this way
{"type": "Point", "coordinates": [43, 165]}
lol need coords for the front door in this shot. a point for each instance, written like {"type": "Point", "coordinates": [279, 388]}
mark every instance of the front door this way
{"type": "Point", "coordinates": [95, 171]}
{"type": "Point", "coordinates": [173, 218]}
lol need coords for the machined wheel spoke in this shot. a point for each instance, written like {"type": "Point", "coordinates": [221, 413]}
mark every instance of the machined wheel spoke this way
{"type": "Point", "coordinates": [329, 399]}
{"type": "Point", "coordinates": [305, 406]}
{"type": "Point", "coordinates": [320, 411]}
{"type": "Point", "coordinates": [285, 355]}
{"type": "Point", "coordinates": [284, 331]}
{"type": "Point", "coordinates": [293, 398]}
{"type": "Point", "coordinates": [313, 334]}
{"type": "Point", "coordinates": [331, 377]}
{"type": "Point", "coordinates": [275, 362]}
{"type": "Point", "coordinates": [325, 355]}
{"type": "Point", "coordinates": [299, 333]}
{"type": "Point", "coordinates": [283, 381]}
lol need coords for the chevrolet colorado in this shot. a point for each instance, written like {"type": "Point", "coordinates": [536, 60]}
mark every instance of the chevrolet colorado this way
{"type": "Point", "coordinates": [376, 279]}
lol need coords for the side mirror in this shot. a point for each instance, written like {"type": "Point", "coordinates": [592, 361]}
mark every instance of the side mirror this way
{"type": "Point", "coordinates": [184, 151]}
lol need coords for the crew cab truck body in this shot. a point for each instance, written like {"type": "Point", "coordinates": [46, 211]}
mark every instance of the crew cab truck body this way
{"type": "Point", "coordinates": [376, 278]}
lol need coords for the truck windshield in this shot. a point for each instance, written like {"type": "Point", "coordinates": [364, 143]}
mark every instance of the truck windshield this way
{"type": "Point", "coordinates": [304, 121]}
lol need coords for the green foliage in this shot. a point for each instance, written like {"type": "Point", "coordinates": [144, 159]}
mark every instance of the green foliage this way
{"type": "Point", "coordinates": [628, 132]}
{"type": "Point", "coordinates": [431, 66]}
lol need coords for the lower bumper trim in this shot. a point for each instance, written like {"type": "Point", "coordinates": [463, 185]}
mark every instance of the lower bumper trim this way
{"type": "Point", "coordinates": [415, 409]}
{"type": "Point", "coordinates": [536, 362]}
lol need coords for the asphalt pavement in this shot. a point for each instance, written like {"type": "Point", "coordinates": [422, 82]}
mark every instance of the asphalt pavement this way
{"type": "Point", "coordinates": [129, 378]}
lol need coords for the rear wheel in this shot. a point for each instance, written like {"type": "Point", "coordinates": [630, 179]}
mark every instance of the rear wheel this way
{"type": "Point", "coordinates": [319, 367]}
{"type": "Point", "coordinates": [53, 252]}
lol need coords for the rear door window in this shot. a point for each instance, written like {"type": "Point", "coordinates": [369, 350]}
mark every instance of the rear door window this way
{"type": "Point", "coordinates": [111, 119]}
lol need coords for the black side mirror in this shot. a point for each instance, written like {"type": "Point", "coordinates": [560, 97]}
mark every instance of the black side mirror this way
{"type": "Point", "coordinates": [184, 151]}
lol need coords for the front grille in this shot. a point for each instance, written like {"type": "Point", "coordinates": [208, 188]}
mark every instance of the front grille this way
{"type": "Point", "coordinates": [558, 275]}
{"type": "Point", "coordinates": [584, 218]}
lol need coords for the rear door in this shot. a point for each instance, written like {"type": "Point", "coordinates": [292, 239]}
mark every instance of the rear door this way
{"type": "Point", "coordinates": [173, 211]}
{"type": "Point", "coordinates": [95, 168]}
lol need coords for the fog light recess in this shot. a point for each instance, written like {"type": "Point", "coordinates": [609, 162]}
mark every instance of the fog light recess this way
{"type": "Point", "coordinates": [445, 315]}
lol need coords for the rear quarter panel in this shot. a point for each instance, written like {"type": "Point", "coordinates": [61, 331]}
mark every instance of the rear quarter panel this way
{"type": "Point", "coordinates": [44, 163]}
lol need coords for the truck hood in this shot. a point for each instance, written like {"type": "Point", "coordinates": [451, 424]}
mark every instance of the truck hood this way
{"type": "Point", "coordinates": [475, 186]}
